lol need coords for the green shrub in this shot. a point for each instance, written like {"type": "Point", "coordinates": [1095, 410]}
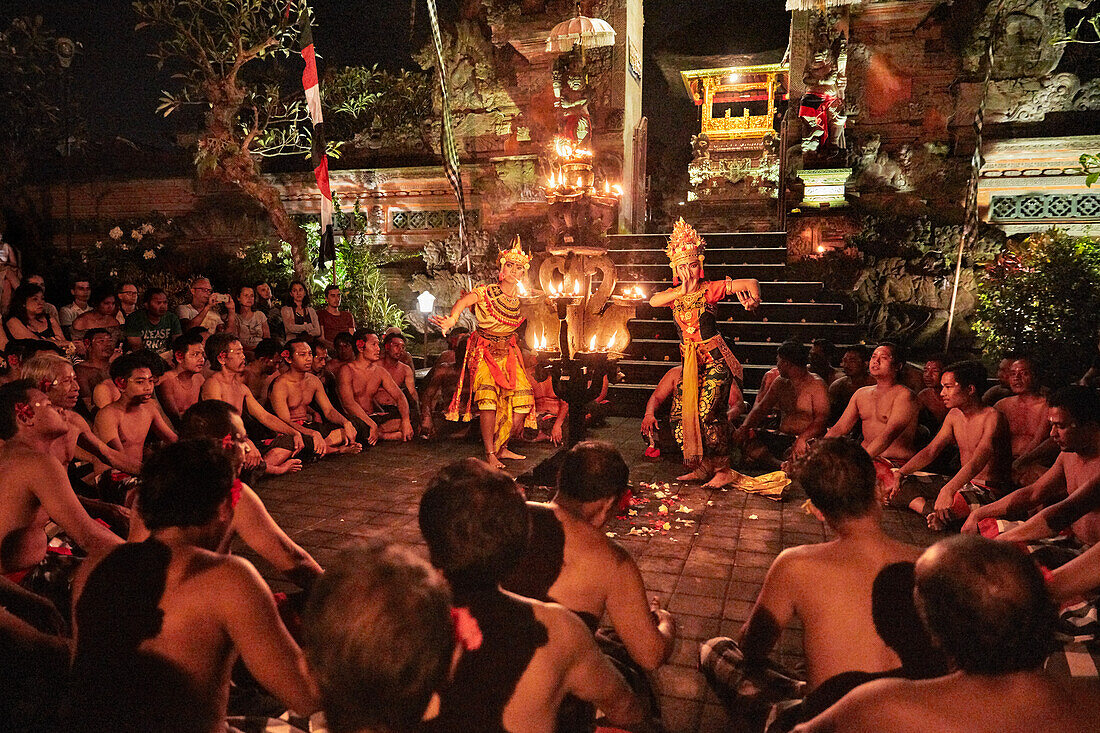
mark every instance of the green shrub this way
{"type": "Point", "coordinates": [1042, 298]}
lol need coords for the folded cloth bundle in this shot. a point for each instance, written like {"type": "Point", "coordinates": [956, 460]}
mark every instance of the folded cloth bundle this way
{"type": "Point", "coordinates": [770, 485]}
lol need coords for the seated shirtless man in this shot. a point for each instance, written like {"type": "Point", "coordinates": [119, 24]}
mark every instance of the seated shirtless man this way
{"type": "Point", "coordinates": [886, 412]}
{"type": "Point", "coordinates": [803, 403]}
{"type": "Point", "coordinates": [125, 424]}
{"type": "Point", "coordinates": [384, 615]}
{"type": "Point", "coordinates": [439, 388]}
{"type": "Point", "coordinates": [218, 422]}
{"type": "Point", "coordinates": [262, 369]}
{"type": "Point", "coordinates": [569, 560]}
{"type": "Point", "coordinates": [854, 365]}
{"type": "Point", "coordinates": [225, 354]}
{"type": "Point", "coordinates": [986, 606]}
{"type": "Point", "coordinates": [981, 434]}
{"type": "Point", "coordinates": [827, 585]}
{"type": "Point", "coordinates": [393, 350]}
{"type": "Point", "coordinates": [933, 411]}
{"type": "Point", "coordinates": [475, 522]}
{"type": "Point", "coordinates": [362, 384]}
{"type": "Point", "coordinates": [180, 387]}
{"type": "Point", "coordinates": [1067, 496]}
{"type": "Point", "coordinates": [159, 624]}
{"type": "Point", "coordinates": [1026, 412]}
{"type": "Point", "coordinates": [34, 490]}
{"type": "Point", "coordinates": [294, 394]}
{"type": "Point", "coordinates": [99, 349]}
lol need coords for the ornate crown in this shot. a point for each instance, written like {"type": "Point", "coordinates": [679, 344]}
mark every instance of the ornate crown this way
{"type": "Point", "coordinates": [516, 254]}
{"type": "Point", "coordinates": [684, 245]}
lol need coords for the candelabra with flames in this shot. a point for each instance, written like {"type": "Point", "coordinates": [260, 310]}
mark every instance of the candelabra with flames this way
{"type": "Point", "coordinates": [577, 322]}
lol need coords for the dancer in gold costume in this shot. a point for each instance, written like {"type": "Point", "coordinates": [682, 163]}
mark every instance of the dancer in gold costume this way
{"type": "Point", "coordinates": [493, 378]}
{"type": "Point", "coordinates": [699, 406]}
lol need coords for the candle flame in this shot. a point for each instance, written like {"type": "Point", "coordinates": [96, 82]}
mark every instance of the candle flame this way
{"type": "Point", "coordinates": [611, 342]}
{"type": "Point", "coordinates": [576, 288]}
{"type": "Point", "coordinates": [550, 180]}
{"type": "Point", "coordinates": [592, 344]}
{"type": "Point", "coordinates": [522, 290]}
{"type": "Point", "coordinates": [579, 184]}
{"type": "Point", "coordinates": [617, 189]}
{"type": "Point", "coordinates": [606, 187]}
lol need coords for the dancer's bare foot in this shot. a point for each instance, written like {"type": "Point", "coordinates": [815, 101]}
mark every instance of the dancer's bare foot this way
{"type": "Point", "coordinates": [347, 448]}
{"type": "Point", "coordinates": [510, 455]}
{"type": "Point", "coordinates": [721, 479]}
{"type": "Point", "coordinates": [493, 461]}
{"type": "Point", "coordinates": [698, 474]}
{"type": "Point", "coordinates": [291, 465]}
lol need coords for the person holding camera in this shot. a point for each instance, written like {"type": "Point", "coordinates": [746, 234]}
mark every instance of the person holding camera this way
{"type": "Point", "coordinates": [201, 310]}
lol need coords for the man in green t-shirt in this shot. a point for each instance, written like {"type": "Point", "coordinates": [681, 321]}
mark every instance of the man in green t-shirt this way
{"type": "Point", "coordinates": [152, 327]}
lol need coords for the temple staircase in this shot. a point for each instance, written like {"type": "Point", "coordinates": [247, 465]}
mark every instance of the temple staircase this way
{"type": "Point", "coordinates": [790, 309]}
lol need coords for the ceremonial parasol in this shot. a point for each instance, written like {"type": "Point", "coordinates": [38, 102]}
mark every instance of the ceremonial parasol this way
{"type": "Point", "coordinates": [580, 30]}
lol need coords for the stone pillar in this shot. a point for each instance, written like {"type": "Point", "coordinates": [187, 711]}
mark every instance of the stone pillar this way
{"type": "Point", "coordinates": [630, 66]}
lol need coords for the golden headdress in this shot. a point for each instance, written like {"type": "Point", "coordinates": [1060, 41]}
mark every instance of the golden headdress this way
{"type": "Point", "coordinates": [516, 255]}
{"type": "Point", "coordinates": [684, 245]}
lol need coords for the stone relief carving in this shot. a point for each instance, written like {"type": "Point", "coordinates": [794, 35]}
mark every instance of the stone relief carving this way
{"type": "Point", "coordinates": [1023, 37]}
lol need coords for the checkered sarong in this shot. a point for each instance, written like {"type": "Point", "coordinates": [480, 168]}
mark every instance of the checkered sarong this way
{"type": "Point", "coordinates": [1078, 636]}
{"type": "Point", "coordinates": [723, 664]}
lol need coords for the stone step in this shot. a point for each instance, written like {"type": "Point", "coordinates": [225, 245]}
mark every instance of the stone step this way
{"type": "Point", "coordinates": [713, 240]}
{"type": "Point", "coordinates": [659, 278]}
{"type": "Point", "coordinates": [775, 291]}
{"type": "Point", "coordinates": [770, 311]}
{"type": "Point", "coordinates": [650, 372]}
{"type": "Point", "coordinates": [773, 331]}
{"type": "Point", "coordinates": [714, 256]}
{"type": "Point", "coordinates": [753, 352]}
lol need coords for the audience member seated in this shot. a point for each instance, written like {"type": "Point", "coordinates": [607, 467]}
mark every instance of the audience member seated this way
{"type": "Point", "coordinates": [821, 360]}
{"type": "Point", "coordinates": [981, 435]}
{"type": "Point", "coordinates": [828, 586]}
{"type": "Point", "coordinates": [569, 560]}
{"type": "Point", "coordinates": [986, 606]}
{"type": "Point", "coordinates": [204, 310]}
{"type": "Point", "coordinates": [99, 349]}
{"type": "Point", "coordinates": [160, 623]}
{"type": "Point", "coordinates": [550, 410]}
{"type": "Point", "coordinates": [1001, 389]}
{"type": "Point", "coordinates": [10, 274]}
{"type": "Point", "coordinates": [1026, 412]}
{"type": "Point", "coordinates": [51, 309]}
{"type": "Point", "coordinates": [886, 413]}
{"type": "Point", "coordinates": [225, 355]}
{"type": "Point", "coordinates": [404, 356]}
{"type": "Point", "coordinates": [370, 397]}
{"type": "Point", "coordinates": [299, 318]}
{"type": "Point", "coordinates": [333, 320]}
{"type": "Point", "coordinates": [293, 396]}
{"type": "Point", "coordinates": [393, 349]}
{"type": "Point", "coordinates": [125, 424]}
{"type": "Point", "coordinates": [803, 403]}
{"type": "Point", "coordinates": [262, 369]}
{"type": "Point", "coordinates": [266, 303]}
{"type": "Point", "coordinates": [1066, 496]}
{"type": "Point", "coordinates": [217, 422]}
{"type": "Point", "coordinates": [27, 317]}
{"type": "Point", "coordinates": [250, 325]}
{"type": "Point", "coordinates": [381, 638]}
{"type": "Point", "coordinates": [100, 315]}
{"type": "Point", "coordinates": [152, 327]}
{"type": "Point", "coordinates": [180, 387]}
{"type": "Point", "coordinates": [854, 365]}
{"type": "Point", "coordinates": [81, 290]}
{"type": "Point", "coordinates": [127, 299]}
{"type": "Point", "coordinates": [19, 351]}
{"type": "Point", "coordinates": [475, 522]}
{"type": "Point", "coordinates": [933, 411]}
{"type": "Point", "coordinates": [34, 491]}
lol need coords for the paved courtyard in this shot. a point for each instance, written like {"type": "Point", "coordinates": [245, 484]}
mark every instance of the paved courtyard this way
{"type": "Point", "coordinates": [707, 566]}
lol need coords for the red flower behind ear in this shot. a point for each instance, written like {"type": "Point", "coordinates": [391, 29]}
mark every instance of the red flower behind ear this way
{"type": "Point", "coordinates": [24, 411]}
{"type": "Point", "coordinates": [44, 384]}
{"type": "Point", "coordinates": [286, 354]}
{"type": "Point", "coordinates": [467, 631]}
{"type": "Point", "coordinates": [360, 344]}
{"type": "Point", "coordinates": [227, 442]}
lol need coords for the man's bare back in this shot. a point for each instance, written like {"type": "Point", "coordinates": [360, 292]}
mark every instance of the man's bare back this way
{"type": "Point", "coordinates": [800, 402]}
{"type": "Point", "coordinates": [1079, 472]}
{"type": "Point", "coordinates": [828, 586]}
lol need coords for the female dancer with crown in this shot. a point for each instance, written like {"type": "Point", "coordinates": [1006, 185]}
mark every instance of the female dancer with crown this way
{"type": "Point", "coordinates": [493, 374]}
{"type": "Point", "coordinates": [699, 405]}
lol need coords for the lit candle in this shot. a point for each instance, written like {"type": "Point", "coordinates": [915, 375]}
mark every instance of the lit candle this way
{"type": "Point", "coordinates": [592, 344]}
{"type": "Point", "coordinates": [576, 287]}
{"type": "Point", "coordinates": [606, 187]}
{"type": "Point", "coordinates": [611, 342]}
{"type": "Point", "coordinates": [617, 189]}
{"type": "Point", "coordinates": [579, 184]}
{"type": "Point", "coordinates": [522, 290]}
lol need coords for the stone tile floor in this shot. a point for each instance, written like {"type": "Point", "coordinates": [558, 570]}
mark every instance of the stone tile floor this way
{"type": "Point", "coordinates": [707, 572]}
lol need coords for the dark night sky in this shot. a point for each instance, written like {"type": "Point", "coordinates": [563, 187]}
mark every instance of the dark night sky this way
{"type": "Point", "coordinates": [117, 84]}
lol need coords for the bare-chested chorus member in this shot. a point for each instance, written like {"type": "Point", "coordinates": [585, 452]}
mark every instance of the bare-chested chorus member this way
{"type": "Point", "coordinates": [1026, 412]}
{"type": "Point", "coordinates": [180, 387]}
{"type": "Point", "coordinates": [381, 638]}
{"type": "Point", "coordinates": [826, 585]}
{"type": "Point", "coordinates": [571, 561]}
{"type": "Point", "coordinates": [981, 434]}
{"type": "Point", "coordinates": [225, 354]}
{"type": "Point", "coordinates": [125, 424]}
{"type": "Point", "coordinates": [34, 490]}
{"type": "Point", "coordinates": [803, 403]}
{"type": "Point", "coordinates": [986, 606]}
{"type": "Point", "coordinates": [854, 365]}
{"type": "Point", "coordinates": [393, 348]}
{"type": "Point", "coordinates": [159, 624]}
{"type": "Point", "coordinates": [929, 396]}
{"type": "Point", "coordinates": [294, 394]}
{"type": "Point", "coordinates": [886, 412]}
{"type": "Point", "coordinates": [1066, 496]}
{"type": "Point", "coordinates": [475, 522]}
{"type": "Point", "coordinates": [362, 383]}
